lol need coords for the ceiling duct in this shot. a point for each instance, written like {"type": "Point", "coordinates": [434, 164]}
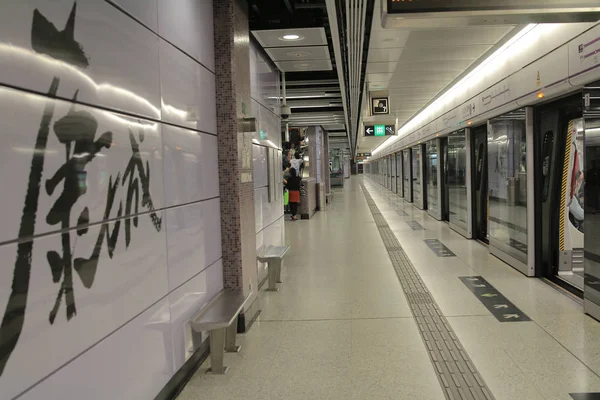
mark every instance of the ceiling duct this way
{"type": "Point", "coordinates": [353, 19]}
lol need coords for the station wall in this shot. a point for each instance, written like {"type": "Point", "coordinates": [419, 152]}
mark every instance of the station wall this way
{"type": "Point", "coordinates": [110, 208]}
{"type": "Point", "coordinates": [267, 152]}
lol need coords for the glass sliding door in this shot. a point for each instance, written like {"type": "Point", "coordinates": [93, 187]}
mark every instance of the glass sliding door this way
{"type": "Point", "coordinates": [393, 161]}
{"type": "Point", "coordinates": [457, 181]}
{"type": "Point", "coordinates": [407, 169]}
{"type": "Point", "coordinates": [417, 174]}
{"type": "Point", "coordinates": [399, 178]}
{"type": "Point", "coordinates": [432, 179]}
{"type": "Point", "coordinates": [507, 187]}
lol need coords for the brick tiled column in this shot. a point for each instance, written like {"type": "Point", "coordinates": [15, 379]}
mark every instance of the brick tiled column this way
{"type": "Point", "coordinates": [232, 60]}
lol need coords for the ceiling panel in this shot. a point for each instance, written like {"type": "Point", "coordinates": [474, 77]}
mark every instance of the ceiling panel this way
{"type": "Point", "coordinates": [379, 77]}
{"type": "Point", "coordinates": [381, 68]}
{"type": "Point", "coordinates": [300, 65]}
{"type": "Point", "coordinates": [298, 53]}
{"type": "Point", "coordinates": [486, 35]}
{"type": "Point", "coordinates": [384, 55]}
{"type": "Point", "coordinates": [438, 53]}
{"type": "Point", "coordinates": [407, 64]}
{"type": "Point", "coordinates": [307, 37]}
{"type": "Point", "coordinates": [383, 39]}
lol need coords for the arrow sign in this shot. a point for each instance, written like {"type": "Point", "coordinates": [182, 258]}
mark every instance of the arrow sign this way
{"type": "Point", "coordinates": [369, 130]}
{"type": "Point", "coordinates": [498, 305]}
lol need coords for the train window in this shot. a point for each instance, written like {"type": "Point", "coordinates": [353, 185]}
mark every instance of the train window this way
{"type": "Point", "coordinates": [547, 147]}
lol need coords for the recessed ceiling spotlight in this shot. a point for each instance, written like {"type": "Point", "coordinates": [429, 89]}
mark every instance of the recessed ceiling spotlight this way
{"type": "Point", "coordinates": [303, 65]}
{"type": "Point", "coordinates": [291, 36]}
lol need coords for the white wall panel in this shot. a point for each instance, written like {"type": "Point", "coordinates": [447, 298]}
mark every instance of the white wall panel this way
{"type": "Point", "coordinates": [261, 168]}
{"type": "Point", "coordinates": [112, 369]}
{"type": "Point", "coordinates": [95, 298]}
{"type": "Point", "coordinates": [82, 183]}
{"type": "Point", "coordinates": [106, 294]}
{"type": "Point", "coordinates": [89, 64]}
{"type": "Point", "coordinates": [192, 240]}
{"type": "Point", "coordinates": [188, 24]}
{"type": "Point", "coordinates": [184, 85]}
{"type": "Point", "coordinates": [190, 165]}
{"type": "Point", "coordinates": [145, 11]}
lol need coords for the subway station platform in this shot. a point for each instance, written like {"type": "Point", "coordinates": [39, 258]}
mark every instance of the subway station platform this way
{"type": "Point", "coordinates": [380, 301]}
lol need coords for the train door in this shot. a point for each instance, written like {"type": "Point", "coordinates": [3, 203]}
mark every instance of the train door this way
{"type": "Point", "coordinates": [399, 179]}
{"type": "Point", "coordinates": [443, 164]}
{"type": "Point", "coordinates": [407, 170]}
{"type": "Point", "coordinates": [480, 182]}
{"type": "Point", "coordinates": [559, 190]}
{"type": "Point", "coordinates": [591, 293]}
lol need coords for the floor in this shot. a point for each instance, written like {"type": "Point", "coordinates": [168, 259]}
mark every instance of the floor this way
{"type": "Point", "coordinates": [341, 327]}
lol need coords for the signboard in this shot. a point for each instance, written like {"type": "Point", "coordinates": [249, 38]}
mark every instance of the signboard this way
{"type": "Point", "coordinates": [380, 130]}
{"type": "Point", "coordinates": [380, 106]}
{"type": "Point", "coordinates": [434, 6]}
{"type": "Point", "coordinates": [363, 155]}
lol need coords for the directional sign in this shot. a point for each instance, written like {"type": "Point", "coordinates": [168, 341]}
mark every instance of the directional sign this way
{"type": "Point", "coordinates": [493, 300]}
{"type": "Point", "coordinates": [438, 248]}
{"type": "Point", "coordinates": [363, 155]}
{"type": "Point", "coordinates": [380, 130]}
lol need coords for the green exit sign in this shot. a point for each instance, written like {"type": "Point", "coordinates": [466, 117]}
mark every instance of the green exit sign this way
{"type": "Point", "coordinates": [379, 130]}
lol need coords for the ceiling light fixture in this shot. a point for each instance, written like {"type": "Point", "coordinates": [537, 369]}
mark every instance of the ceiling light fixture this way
{"type": "Point", "coordinates": [521, 41]}
{"type": "Point", "coordinates": [290, 36]}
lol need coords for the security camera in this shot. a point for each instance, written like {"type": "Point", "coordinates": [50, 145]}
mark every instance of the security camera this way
{"type": "Point", "coordinates": [285, 111]}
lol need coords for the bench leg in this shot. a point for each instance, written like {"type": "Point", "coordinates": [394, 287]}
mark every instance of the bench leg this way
{"type": "Point", "coordinates": [230, 339]}
{"type": "Point", "coordinates": [272, 271]}
{"type": "Point", "coordinates": [217, 346]}
{"type": "Point", "coordinates": [279, 266]}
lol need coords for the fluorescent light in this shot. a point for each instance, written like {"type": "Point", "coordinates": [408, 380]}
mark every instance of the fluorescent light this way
{"type": "Point", "coordinates": [521, 40]}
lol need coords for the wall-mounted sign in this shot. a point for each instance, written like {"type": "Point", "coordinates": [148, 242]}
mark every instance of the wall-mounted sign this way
{"type": "Point", "coordinates": [380, 130]}
{"type": "Point", "coordinates": [380, 106]}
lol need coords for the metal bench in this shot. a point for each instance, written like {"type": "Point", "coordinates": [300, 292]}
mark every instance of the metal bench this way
{"type": "Point", "coordinates": [218, 318]}
{"type": "Point", "coordinates": [273, 256]}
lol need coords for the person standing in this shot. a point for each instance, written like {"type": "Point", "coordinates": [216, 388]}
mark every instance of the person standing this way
{"type": "Point", "coordinates": [297, 164]}
{"type": "Point", "coordinates": [293, 186]}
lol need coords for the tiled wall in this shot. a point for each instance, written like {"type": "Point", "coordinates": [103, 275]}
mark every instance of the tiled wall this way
{"type": "Point", "coordinates": [265, 90]}
{"type": "Point", "coordinates": [110, 237]}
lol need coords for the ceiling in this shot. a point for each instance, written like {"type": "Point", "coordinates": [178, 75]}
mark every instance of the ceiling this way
{"type": "Point", "coordinates": [312, 85]}
{"type": "Point", "coordinates": [416, 65]}
{"type": "Point", "coordinates": [321, 45]}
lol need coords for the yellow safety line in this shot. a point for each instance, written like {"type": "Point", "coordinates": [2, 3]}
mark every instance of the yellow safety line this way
{"type": "Point", "coordinates": [565, 177]}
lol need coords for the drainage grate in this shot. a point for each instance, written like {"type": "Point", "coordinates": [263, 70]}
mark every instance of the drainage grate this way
{"type": "Point", "coordinates": [455, 370]}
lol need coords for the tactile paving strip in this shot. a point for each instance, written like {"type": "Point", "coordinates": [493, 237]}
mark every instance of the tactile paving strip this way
{"type": "Point", "coordinates": [455, 370]}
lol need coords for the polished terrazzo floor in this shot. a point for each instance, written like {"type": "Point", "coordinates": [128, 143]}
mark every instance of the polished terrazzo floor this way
{"type": "Point", "coordinates": [340, 326]}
